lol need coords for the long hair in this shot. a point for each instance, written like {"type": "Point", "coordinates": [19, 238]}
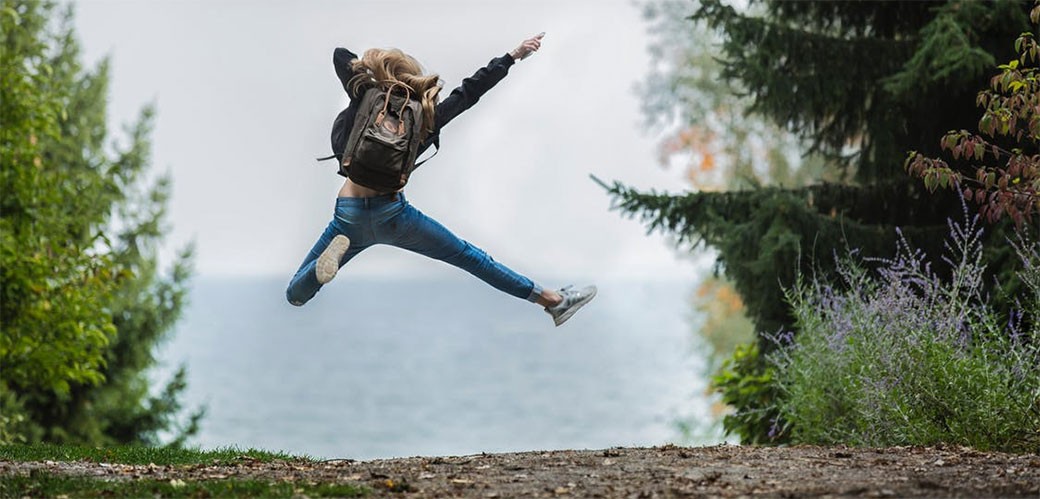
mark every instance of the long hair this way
{"type": "Point", "coordinates": [386, 66]}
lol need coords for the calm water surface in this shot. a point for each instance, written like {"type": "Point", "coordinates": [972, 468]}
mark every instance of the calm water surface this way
{"type": "Point", "coordinates": [390, 368]}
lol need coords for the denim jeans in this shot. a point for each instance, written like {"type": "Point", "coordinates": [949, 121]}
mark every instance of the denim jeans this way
{"type": "Point", "coordinates": [390, 219]}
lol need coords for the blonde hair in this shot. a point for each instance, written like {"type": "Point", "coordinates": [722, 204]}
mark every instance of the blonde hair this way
{"type": "Point", "coordinates": [388, 66]}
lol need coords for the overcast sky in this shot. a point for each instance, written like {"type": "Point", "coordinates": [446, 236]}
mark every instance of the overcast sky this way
{"type": "Point", "coordinates": [246, 94]}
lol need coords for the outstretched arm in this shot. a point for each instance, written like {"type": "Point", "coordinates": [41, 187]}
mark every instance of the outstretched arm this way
{"type": "Point", "coordinates": [472, 88]}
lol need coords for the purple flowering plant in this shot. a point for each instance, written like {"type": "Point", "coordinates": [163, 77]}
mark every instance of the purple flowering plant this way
{"type": "Point", "coordinates": [896, 353]}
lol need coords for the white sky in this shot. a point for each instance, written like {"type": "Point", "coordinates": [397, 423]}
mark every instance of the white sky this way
{"type": "Point", "coordinates": [246, 95]}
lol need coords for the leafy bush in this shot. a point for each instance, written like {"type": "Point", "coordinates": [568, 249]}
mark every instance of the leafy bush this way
{"type": "Point", "coordinates": [1002, 182]}
{"type": "Point", "coordinates": [749, 385]}
{"type": "Point", "coordinates": [84, 300]}
{"type": "Point", "coordinates": [905, 355]}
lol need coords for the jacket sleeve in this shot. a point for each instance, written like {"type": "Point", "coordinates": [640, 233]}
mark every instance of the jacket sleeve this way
{"type": "Point", "coordinates": [341, 60]}
{"type": "Point", "coordinates": [472, 88]}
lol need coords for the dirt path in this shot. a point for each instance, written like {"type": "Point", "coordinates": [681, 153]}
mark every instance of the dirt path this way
{"type": "Point", "coordinates": [726, 471]}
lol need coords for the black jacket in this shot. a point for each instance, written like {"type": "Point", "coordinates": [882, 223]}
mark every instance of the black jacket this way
{"type": "Point", "coordinates": [460, 99]}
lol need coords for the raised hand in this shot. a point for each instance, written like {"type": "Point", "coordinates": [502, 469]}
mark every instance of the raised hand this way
{"type": "Point", "coordinates": [527, 47]}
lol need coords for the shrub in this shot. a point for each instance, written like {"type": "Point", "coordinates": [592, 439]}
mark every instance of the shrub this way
{"type": "Point", "coordinates": [906, 355]}
{"type": "Point", "coordinates": [748, 384]}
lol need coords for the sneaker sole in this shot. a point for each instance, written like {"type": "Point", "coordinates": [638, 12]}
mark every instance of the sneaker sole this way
{"type": "Point", "coordinates": [570, 312]}
{"type": "Point", "coordinates": [328, 261]}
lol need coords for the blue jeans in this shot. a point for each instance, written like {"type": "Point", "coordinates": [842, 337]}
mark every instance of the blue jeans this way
{"type": "Point", "coordinates": [390, 219]}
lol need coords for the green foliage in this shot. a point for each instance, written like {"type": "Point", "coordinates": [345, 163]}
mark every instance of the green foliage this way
{"type": "Point", "coordinates": [748, 383]}
{"type": "Point", "coordinates": [902, 356]}
{"type": "Point", "coordinates": [82, 301]}
{"type": "Point", "coordinates": [857, 116]}
{"type": "Point", "coordinates": [766, 237]}
{"type": "Point", "coordinates": [40, 484]}
{"type": "Point", "coordinates": [863, 82]}
{"type": "Point", "coordinates": [54, 334]}
{"type": "Point", "coordinates": [948, 54]}
{"type": "Point", "coordinates": [135, 454]}
{"type": "Point", "coordinates": [859, 83]}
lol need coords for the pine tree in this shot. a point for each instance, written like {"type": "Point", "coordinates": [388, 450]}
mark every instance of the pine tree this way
{"type": "Point", "coordinates": [83, 303]}
{"type": "Point", "coordinates": [709, 133]}
{"type": "Point", "coordinates": [861, 84]}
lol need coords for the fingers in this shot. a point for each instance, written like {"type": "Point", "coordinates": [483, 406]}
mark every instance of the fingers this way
{"type": "Point", "coordinates": [532, 44]}
{"type": "Point", "coordinates": [528, 46]}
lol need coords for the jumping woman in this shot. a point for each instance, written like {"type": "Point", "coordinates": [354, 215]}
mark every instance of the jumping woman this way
{"type": "Point", "coordinates": [366, 216]}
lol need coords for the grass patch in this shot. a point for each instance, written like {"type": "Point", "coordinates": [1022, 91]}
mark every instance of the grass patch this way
{"type": "Point", "coordinates": [46, 484]}
{"type": "Point", "coordinates": [41, 484]}
{"type": "Point", "coordinates": [138, 454]}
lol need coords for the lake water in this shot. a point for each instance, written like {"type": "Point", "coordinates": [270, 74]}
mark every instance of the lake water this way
{"type": "Point", "coordinates": [447, 366]}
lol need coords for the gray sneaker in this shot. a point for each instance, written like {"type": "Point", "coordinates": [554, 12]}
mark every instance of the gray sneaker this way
{"type": "Point", "coordinates": [573, 299]}
{"type": "Point", "coordinates": [328, 261]}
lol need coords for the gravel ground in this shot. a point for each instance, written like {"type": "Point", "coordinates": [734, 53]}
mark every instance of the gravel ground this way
{"type": "Point", "coordinates": [670, 471]}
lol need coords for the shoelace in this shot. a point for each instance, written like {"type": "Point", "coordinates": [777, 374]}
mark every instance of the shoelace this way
{"type": "Point", "coordinates": [566, 294]}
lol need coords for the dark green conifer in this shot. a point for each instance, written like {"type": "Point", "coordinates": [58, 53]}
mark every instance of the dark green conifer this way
{"type": "Point", "coordinates": [862, 83]}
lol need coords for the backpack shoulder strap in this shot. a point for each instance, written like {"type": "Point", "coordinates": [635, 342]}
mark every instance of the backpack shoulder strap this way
{"type": "Point", "coordinates": [436, 149]}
